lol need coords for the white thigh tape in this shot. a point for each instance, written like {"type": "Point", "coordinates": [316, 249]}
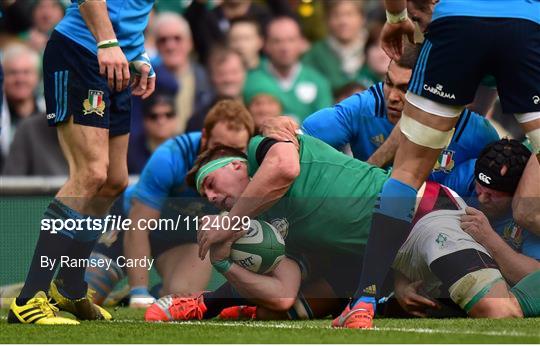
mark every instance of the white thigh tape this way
{"type": "Point", "coordinates": [527, 117]}
{"type": "Point", "coordinates": [433, 107]}
{"type": "Point", "coordinates": [424, 135]}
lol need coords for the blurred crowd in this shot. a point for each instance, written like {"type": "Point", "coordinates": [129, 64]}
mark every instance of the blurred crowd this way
{"type": "Point", "coordinates": [280, 57]}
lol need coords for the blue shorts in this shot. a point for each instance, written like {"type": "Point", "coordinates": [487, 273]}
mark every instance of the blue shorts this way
{"type": "Point", "coordinates": [458, 52]}
{"type": "Point", "coordinates": [74, 87]}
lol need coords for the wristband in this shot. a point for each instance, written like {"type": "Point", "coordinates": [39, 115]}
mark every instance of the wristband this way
{"type": "Point", "coordinates": [396, 18]}
{"type": "Point", "coordinates": [222, 265]}
{"type": "Point", "coordinates": [108, 43]}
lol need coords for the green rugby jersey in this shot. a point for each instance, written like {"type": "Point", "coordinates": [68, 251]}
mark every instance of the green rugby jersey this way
{"type": "Point", "coordinates": [329, 206]}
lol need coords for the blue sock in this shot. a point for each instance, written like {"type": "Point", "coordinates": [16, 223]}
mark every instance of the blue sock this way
{"type": "Point", "coordinates": [50, 246]}
{"type": "Point", "coordinates": [368, 299]}
{"type": "Point", "coordinates": [397, 200]}
{"type": "Point", "coordinates": [390, 227]}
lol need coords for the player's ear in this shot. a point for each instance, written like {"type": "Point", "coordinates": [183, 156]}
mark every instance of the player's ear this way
{"type": "Point", "coordinates": [237, 164]}
{"type": "Point", "coordinates": [204, 139]}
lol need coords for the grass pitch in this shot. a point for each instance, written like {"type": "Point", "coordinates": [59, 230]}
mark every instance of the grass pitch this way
{"type": "Point", "coordinates": [129, 327]}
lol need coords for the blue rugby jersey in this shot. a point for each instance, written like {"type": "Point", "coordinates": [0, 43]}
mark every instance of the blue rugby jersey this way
{"type": "Point", "coordinates": [128, 17]}
{"type": "Point", "coordinates": [523, 9]}
{"type": "Point", "coordinates": [164, 174]}
{"type": "Point", "coordinates": [361, 121]}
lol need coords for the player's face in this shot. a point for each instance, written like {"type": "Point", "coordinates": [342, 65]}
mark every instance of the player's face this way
{"type": "Point", "coordinates": [224, 186]}
{"type": "Point", "coordinates": [284, 43]}
{"type": "Point", "coordinates": [345, 22]}
{"type": "Point", "coordinates": [395, 87]}
{"type": "Point", "coordinates": [229, 76]}
{"type": "Point", "coordinates": [225, 135]}
{"type": "Point", "coordinates": [492, 202]}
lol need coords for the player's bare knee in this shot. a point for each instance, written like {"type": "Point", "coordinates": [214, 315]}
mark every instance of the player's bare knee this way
{"type": "Point", "coordinates": [92, 178]}
{"type": "Point", "coordinates": [115, 185]}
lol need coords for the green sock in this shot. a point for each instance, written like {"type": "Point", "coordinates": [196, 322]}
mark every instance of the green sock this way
{"type": "Point", "coordinates": [527, 292]}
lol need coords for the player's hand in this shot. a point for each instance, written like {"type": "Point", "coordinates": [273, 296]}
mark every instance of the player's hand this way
{"type": "Point", "coordinates": [211, 232]}
{"type": "Point", "coordinates": [392, 37]}
{"type": "Point", "coordinates": [410, 299]}
{"type": "Point", "coordinates": [220, 251]}
{"type": "Point", "coordinates": [476, 224]}
{"type": "Point", "coordinates": [142, 84]}
{"type": "Point", "coordinates": [114, 66]}
{"type": "Point", "coordinates": [281, 128]}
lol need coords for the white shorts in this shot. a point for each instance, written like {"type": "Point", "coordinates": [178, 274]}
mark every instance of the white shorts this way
{"type": "Point", "coordinates": [435, 235]}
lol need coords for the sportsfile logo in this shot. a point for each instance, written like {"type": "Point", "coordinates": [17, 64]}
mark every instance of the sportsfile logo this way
{"type": "Point", "coordinates": [438, 90]}
{"type": "Point", "coordinates": [484, 178]}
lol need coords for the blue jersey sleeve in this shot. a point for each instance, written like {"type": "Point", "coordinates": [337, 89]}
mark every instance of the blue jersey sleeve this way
{"type": "Point", "coordinates": [336, 125]}
{"type": "Point", "coordinates": [473, 133]}
{"type": "Point", "coordinates": [531, 245]}
{"type": "Point", "coordinates": [158, 177]}
{"type": "Point", "coordinates": [460, 180]}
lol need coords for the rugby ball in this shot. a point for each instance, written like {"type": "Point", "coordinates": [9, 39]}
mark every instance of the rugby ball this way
{"type": "Point", "coordinates": [261, 249]}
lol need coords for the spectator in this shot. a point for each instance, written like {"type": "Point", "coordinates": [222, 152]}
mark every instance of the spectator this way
{"type": "Point", "coordinates": [45, 15]}
{"type": "Point", "coordinates": [245, 37]}
{"type": "Point", "coordinates": [341, 55]}
{"type": "Point", "coordinates": [376, 64]}
{"type": "Point", "coordinates": [21, 78]}
{"type": "Point", "coordinates": [348, 90]}
{"type": "Point", "coordinates": [263, 103]}
{"type": "Point", "coordinates": [211, 26]}
{"type": "Point", "coordinates": [159, 120]}
{"type": "Point", "coordinates": [227, 73]}
{"type": "Point", "coordinates": [35, 150]}
{"type": "Point", "coordinates": [178, 75]}
{"type": "Point", "coordinates": [302, 89]}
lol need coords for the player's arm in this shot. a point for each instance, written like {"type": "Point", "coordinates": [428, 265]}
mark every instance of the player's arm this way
{"type": "Point", "coordinates": [137, 245]}
{"type": "Point", "coordinates": [397, 24]}
{"type": "Point", "coordinates": [408, 296]}
{"type": "Point", "coordinates": [514, 266]}
{"type": "Point", "coordinates": [336, 125]}
{"type": "Point", "coordinates": [277, 172]}
{"type": "Point", "coordinates": [276, 291]}
{"type": "Point", "coordinates": [526, 201]}
{"type": "Point", "coordinates": [385, 154]}
{"type": "Point", "coordinates": [284, 129]}
{"type": "Point", "coordinates": [112, 61]}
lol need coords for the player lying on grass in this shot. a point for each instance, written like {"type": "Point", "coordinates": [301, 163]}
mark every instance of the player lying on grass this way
{"type": "Point", "coordinates": [327, 205]}
{"type": "Point", "coordinates": [323, 195]}
{"type": "Point", "coordinates": [438, 260]}
{"type": "Point", "coordinates": [161, 192]}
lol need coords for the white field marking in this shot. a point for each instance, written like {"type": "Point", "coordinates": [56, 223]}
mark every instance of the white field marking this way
{"type": "Point", "coordinates": [294, 326]}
